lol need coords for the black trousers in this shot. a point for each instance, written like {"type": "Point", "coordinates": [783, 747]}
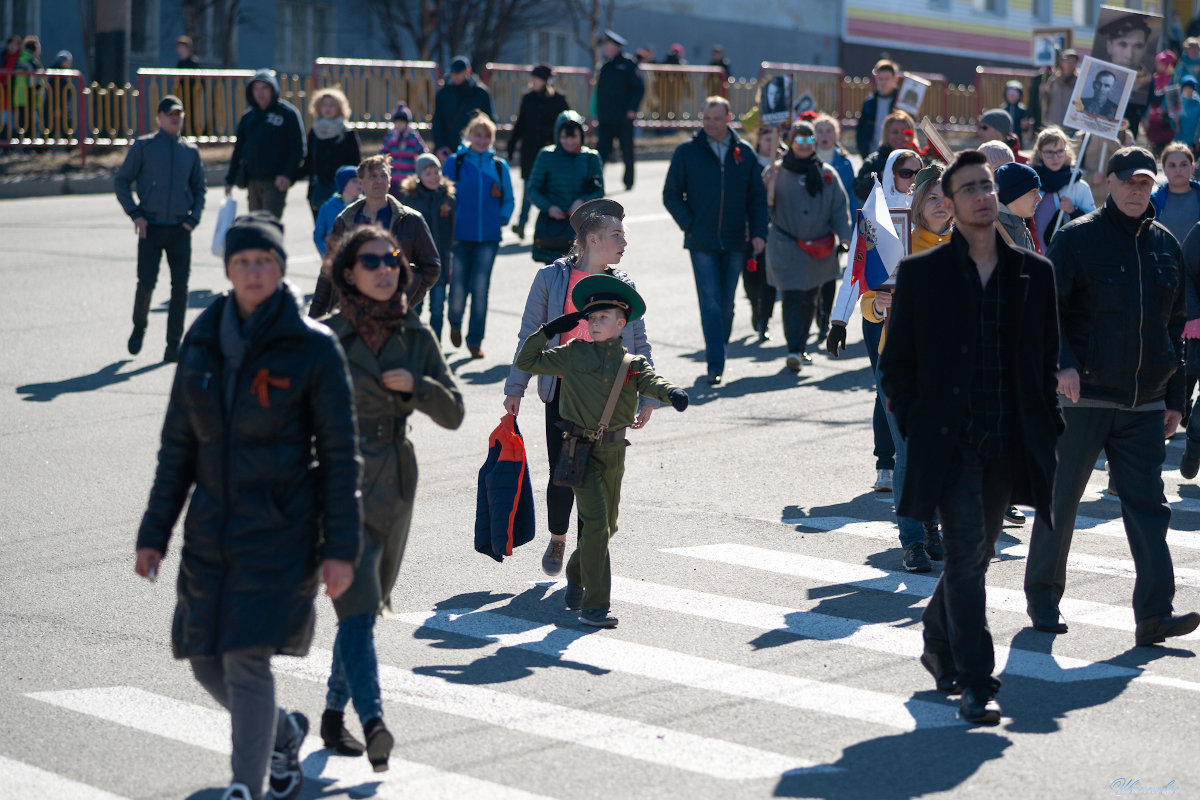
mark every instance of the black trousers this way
{"type": "Point", "coordinates": [559, 499]}
{"type": "Point", "coordinates": [622, 131]}
{"type": "Point", "coordinates": [760, 293]}
{"type": "Point", "coordinates": [1133, 442]}
{"type": "Point", "coordinates": [799, 307]}
{"type": "Point", "coordinates": [971, 509]}
{"type": "Point", "coordinates": [176, 242]}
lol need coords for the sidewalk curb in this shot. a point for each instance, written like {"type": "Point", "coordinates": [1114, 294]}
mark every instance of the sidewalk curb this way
{"type": "Point", "coordinates": [66, 185]}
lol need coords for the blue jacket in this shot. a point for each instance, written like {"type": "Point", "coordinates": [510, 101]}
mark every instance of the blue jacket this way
{"type": "Point", "coordinates": [713, 202]}
{"type": "Point", "coordinates": [504, 516]}
{"type": "Point", "coordinates": [845, 170]}
{"type": "Point", "coordinates": [864, 133]}
{"type": "Point", "coordinates": [1158, 198]}
{"type": "Point", "coordinates": [481, 214]}
{"type": "Point", "coordinates": [325, 217]}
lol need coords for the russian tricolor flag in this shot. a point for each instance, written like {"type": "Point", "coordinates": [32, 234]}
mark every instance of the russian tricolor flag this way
{"type": "Point", "coordinates": [875, 250]}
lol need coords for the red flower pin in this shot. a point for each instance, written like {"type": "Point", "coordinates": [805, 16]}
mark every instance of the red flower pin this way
{"type": "Point", "coordinates": [737, 155]}
{"type": "Point", "coordinates": [828, 179]}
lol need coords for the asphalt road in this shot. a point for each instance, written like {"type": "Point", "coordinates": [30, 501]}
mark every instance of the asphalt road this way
{"type": "Point", "coordinates": [768, 640]}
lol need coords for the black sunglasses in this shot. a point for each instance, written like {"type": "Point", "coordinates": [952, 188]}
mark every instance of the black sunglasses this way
{"type": "Point", "coordinates": [372, 262]}
{"type": "Point", "coordinates": [906, 173]}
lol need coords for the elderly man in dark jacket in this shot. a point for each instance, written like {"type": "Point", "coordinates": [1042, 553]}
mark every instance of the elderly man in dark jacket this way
{"type": "Point", "coordinates": [269, 150]}
{"type": "Point", "coordinates": [1121, 302]}
{"type": "Point", "coordinates": [714, 190]}
{"type": "Point", "coordinates": [170, 185]}
{"type": "Point", "coordinates": [969, 372]}
{"type": "Point", "coordinates": [260, 431]}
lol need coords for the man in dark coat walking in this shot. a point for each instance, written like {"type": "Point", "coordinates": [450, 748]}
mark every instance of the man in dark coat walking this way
{"type": "Point", "coordinates": [1121, 301]}
{"type": "Point", "coordinates": [714, 191]}
{"type": "Point", "coordinates": [455, 104]}
{"type": "Point", "coordinates": [969, 372]}
{"type": "Point", "coordinates": [534, 129]}
{"type": "Point", "coordinates": [170, 182]}
{"type": "Point", "coordinates": [619, 91]}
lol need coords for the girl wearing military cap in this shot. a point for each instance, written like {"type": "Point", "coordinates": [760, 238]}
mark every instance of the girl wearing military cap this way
{"type": "Point", "coordinates": [599, 245]}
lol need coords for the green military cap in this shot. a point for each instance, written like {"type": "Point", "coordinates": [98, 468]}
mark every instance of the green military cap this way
{"type": "Point", "coordinates": [600, 207]}
{"type": "Point", "coordinates": [601, 291]}
{"type": "Point", "coordinates": [926, 174]}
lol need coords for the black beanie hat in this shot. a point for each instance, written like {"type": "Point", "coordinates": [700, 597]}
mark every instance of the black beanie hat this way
{"type": "Point", "coordinates": [258, 230]}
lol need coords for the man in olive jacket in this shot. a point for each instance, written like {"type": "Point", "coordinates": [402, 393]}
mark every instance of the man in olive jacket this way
{"type": "Point", "coordinates": [1121, 302]}
{"type": "Point", "coordinates": [969, 373]}
{"type": "Point", "coordinates": [714, 191]}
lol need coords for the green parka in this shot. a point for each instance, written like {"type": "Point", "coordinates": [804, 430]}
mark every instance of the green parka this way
{"type": "Point", "coordinates": [559, 179]}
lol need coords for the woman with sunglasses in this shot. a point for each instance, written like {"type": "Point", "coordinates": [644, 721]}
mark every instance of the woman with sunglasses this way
{"type": "Point", "coordinates": [397, 368]}
{"type": "Point", "coordinates": [899, 178]}
{"type": "Point", "coordinates": [1062, 201]}
{"type": "Point", "coordinates": [810, 222]}
{"type": "Point", "coordinates": [898, 129]}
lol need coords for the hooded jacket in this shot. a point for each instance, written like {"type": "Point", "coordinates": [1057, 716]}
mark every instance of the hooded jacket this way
{"type": "Point", "coordinates": [504, 513]}
{"type": "Point", "coordinates": [263, 511]}
{"type": "Point", "coordinates": [1121, 307]}
{"type": "Point", "coordinates": [169, 177]}
{"type": "Point", "coordinates": [270, 141]}
{"type": "Point", "coordinates": [485, 194]}
{"type": "Point", "coordinates": [559, 179]}
{"type": "Point", "coordinates": [714, 202]}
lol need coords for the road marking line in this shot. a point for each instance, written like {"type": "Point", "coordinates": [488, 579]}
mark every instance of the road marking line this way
{"type": "Point", "coordinates": [622, 737]}
{"type": "Point", "coordinates": [874, 636]}
{"type": "Point", "coordinates": [208, 729]}
{"type": "Point", "coordinates": [23, 780]}
{"type": "Point", "coordinates": [616, 655]}
{"type": "Point", "coordinates": [1078, 562]}
{"type": "Point", "coordinates": [865, 577]}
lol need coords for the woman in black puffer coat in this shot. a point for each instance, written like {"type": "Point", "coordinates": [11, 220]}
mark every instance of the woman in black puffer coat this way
{"type": "Point", "coordinates": [260, 390]}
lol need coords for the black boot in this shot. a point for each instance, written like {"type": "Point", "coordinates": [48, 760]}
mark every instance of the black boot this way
{"type": "Point", "coordinates": [336, 737]}
{"type": "Point", "coordinates": [141, 317]}
{"type": "Point", "coordinates": [379, 743]}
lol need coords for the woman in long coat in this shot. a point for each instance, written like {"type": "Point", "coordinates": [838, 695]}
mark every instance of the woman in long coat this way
{"type": "Point", "coordinates": [810, 218]}
{"type": "Point", "coordinates": [397, 368]}
{"type": "Point", "coordinates": [259, 389]}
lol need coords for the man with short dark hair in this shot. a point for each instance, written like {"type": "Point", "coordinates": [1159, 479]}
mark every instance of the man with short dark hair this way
{"type": "Point", "coordinates": [1121, 303]}
{"type": "Point", "coordinates": [619, 91]}
{"type": "Point", "coordinates": [869, 133]}
{"type": "Point", "coordinates": [170, 185]}
{"type": "Point", "coordinates": [969, 373]}
{"type": "Point", "coordinates": [714, 191]}
{"type": "Point", "coordinates": [454, 105]}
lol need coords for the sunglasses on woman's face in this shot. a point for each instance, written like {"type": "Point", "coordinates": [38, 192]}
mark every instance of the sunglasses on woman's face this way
{"type": "Point", "coordinates": [906, 173]}
{"type": "Point", "coordinates": [805, 140]}
{"type": "Point", "coordinates": [372, 262]}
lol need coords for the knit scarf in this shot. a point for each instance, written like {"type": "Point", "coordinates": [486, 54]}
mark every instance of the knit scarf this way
{"type": "Point", "coordinates": [374, 321]}
{"type": "Point", "coordinates": [1053, 180]}
{"type": "Point", "coordinates": [329, 128]}
{"type": "Point", "coordinates": [809, 167]}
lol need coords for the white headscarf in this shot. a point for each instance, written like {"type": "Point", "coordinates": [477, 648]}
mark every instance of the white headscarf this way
{"type": "Point", "coordinates": [895, 198]}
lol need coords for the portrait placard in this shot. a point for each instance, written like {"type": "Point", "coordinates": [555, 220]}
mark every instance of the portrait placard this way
{"type": "Point", "coordinates": [1129, 39]}
{"type": "Point", "coordinates": [1099, 99]}
{"type": "Point", "coordinates": [912, 94]}
{"type": "Point", "coordinates": [776, 102]}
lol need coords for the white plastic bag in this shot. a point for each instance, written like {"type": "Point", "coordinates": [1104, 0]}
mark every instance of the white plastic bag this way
{"type": "Point", "coordinates": [225, 218]}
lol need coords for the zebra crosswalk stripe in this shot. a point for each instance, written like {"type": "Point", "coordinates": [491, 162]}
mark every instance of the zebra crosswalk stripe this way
{"type": "Point", "coordinates": [623, 737]}
{"type": "Point", "coordinates": [208, 729]}
{"type": "Point", "coordinates": [903, 713]}
{"type": "Point", "coordinates": [865, 577]}
{"type": "Point", "coordinates": [21, 780]}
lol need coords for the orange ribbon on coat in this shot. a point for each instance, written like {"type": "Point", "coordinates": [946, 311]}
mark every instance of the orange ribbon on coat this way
{"type": "Point", "coordinates": [262, 383]}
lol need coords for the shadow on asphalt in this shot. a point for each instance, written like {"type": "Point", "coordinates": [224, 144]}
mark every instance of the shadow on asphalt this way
{"type": "Point", "coordinates": [537, 605]}
{"type": "Point", "coordinates": [199, 298]}
{"type": "Point", "coordinates": [494, 374]}
{"type": "Point", "coordinates": [105, 376]}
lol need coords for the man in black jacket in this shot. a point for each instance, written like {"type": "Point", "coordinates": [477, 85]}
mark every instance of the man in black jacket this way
{"type": "Point", "coordinates": [534, 129]}
{"type": "Point", "coordinates": [170, 186]}
{"type": "Point", "coordinates": [869, 134]}
{"type": "Point", "coordinates": [714, 191]}
{"type": "Point", "coordinates": [270, 146]}
{"type": "Point", "coordinates": [1120, 300]}
{"type": "Point", "coordinates": [969, 372]}
{"type": "Point", "coordinates": [455, 104]}
{"type": "Point", "coordinates": [619, 91]}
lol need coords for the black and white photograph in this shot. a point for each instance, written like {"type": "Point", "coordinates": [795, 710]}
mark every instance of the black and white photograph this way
{"type": "Point", "coordinates": [1129, 39]}
{"type": "Point", "coordinates": [777, 100]}
{"type": "Point", "coordinates": [1100, 97]}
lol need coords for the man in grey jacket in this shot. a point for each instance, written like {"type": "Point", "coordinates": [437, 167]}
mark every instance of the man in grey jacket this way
{"type": "Point", "coordinates": [170, 198]}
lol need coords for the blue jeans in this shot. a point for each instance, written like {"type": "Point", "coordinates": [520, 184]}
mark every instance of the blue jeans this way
{"type": "Point", "coordinates": [716, 273]}
{"type": "Point", "coordinates": [354, 675]}
{"type": "Point", "coordinates": [526, 204]}
{"type": "Point", "coordinates": [437, 303]}
{"type": "Point", "coordinates": [885, 451]}
{"type": "Point", "coordinates": [472, 275]}
{"type": "Point", "coordinates": [911, 530]}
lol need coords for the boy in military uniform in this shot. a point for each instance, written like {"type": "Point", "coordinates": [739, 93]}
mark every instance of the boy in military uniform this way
{"type": "Point", "coordinates": [589, 370]}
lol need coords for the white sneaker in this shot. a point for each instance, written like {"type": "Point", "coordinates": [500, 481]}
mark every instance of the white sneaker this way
{"type": "Point", "coordinates": [237, 791]}
{"type": "Point", "coordinates": [794, 362]}
{"type": "Point", "coordinates": [883, 481]}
